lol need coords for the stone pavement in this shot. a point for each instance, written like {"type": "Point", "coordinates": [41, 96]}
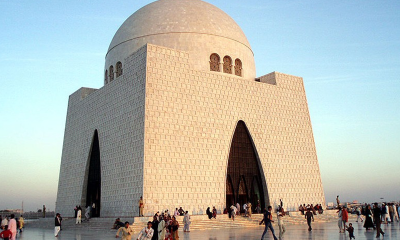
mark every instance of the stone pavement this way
{"type": "Point", "coordinates": [321, 231]}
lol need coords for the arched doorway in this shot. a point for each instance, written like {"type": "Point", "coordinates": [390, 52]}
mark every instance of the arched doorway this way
{"type": "Point", "coordinates": [93, 193]}
{"type": "Point", "coordinates": [242, 192]}
{"type": "Point", "coordinates": [230, 194]}
{"type": "Point", "coordinates": [255, 195]}
{"type": "Point", "coordinates": [244, 170]}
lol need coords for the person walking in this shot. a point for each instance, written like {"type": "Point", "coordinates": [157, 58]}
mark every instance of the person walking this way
{"type": "Point", "coordinates": [126, 232]}
{"type": "Point", "coordinates": [377, 219]}
{"type": "Point", "coordinates": [87, 213]}
{"type": "Point", "coordinates": [233, 212]}
{"type": "Point", "coordinates": [350, 229]}
{"type": "Point", "coordinates": [391, 212]}
{"type": "Point", "coordinates": [57, 224]}
{"type": "Point", "coordinates": [345, 218]}
{"type": "Point", "coordinates": [383, 213]}
{"type": "Point", "coordinates": [21, 223]}
{"type": "Point", "coordinates": [309, 216]}
{"type": "Point", "coordinates": [395, 214]}
{"type": "Point", "coordinates": [146, 233]}
{"type": "Point", "coordinates": [281, 224]}
{"type": "Point", "coordinates": [359, 215]}
{"type": "Point", "coordinates": [186, 222]}
{"type": "Point", "coordinates": [368, 218]}
{"type": "Point", "coordinates": [339, 212]}
{"type": "Point", "coordinates": [267, 220]}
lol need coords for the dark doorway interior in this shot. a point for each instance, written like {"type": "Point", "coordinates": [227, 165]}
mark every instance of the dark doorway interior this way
{"type": "Point", "coordinates": [94, 178]}
{"type": "Point", "coordinates": [243, 171]}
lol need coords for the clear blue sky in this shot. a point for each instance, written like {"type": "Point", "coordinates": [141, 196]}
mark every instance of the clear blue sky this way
{"type": "Point", "coordinates": [348, 53]}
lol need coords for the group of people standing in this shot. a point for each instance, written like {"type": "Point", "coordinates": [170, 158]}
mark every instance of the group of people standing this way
{"type": "Point", "coordinates": [10, 226]}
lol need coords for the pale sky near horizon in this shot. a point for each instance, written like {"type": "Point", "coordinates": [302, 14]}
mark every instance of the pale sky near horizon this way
{"type": "Point", "coordinates": [348, 53]}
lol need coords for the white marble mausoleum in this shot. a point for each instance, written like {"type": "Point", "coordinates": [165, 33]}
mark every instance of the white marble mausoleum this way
{"type": "Point", "coordinates": [183, 120]}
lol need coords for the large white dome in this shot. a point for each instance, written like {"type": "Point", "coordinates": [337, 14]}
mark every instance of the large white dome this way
{"type": "Point", "coordinates": [194, 26]}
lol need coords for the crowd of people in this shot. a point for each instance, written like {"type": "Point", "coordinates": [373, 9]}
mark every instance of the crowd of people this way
{"type": "Point", "coordinates": [314, 209]}
{"type": "Point", "coordinates": [373, 216]}
{"type": "Point", "coordinates": [78, 213]}
{"type": "Point", "coordinates": [163, 227]}
{"type": "Point", "coordinates": [10, 226]}
{"type": "Point", "coordinates": [247, 210]}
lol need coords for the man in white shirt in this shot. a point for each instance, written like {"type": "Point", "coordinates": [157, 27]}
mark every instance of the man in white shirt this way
{"type": "Point", "coordinates": [146, 233]}
{"type": "Point", "coordinates": [126, 232]}
{"type": "Point", "coordinates": [395, 214]}
{"type": "Point", "coordinates": [4, 222]}
{"type": "Point", "coordinates": [186, 222]}
{"type": "Point", "coordinates": [12, 226]}
{"type": "Point", "coordinates": [281, 224]}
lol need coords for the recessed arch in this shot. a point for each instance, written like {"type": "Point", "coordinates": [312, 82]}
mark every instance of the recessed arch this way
{"type": "Point", "coordinates": [230, 192]}
{"type": "Point", "coordinates": [242, 191]}
{"type": "Point", "coordinates": [111, 73]}
{"type": "Point", "coordinates": [214, 62]}
{"type": "Point", "coordinates": [255, 193]}
{"type": "Point", "coordinates": [106, 77]}
{"type": "Point", "coordinates": [238, 67]}
{"type": "Point", "coordinates": [244, 166]}
{"type": "Point", "coordinates": [227, 64]}
{"type": "Point", "coordinates": [118, 67]}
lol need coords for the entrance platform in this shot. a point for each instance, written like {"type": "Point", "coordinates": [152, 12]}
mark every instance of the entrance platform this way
{"type": "Point", "coordinates": [199, 222]}
{"type": "Point", "coordinates": [321, 231]}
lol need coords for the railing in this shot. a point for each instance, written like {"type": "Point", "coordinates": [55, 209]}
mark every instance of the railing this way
{"type": "Point", "coordinates": [27, 215]}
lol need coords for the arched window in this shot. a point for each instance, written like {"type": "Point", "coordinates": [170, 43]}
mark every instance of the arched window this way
{"type": "Point", "coordinates": [214, 62]}
{"type": "Point", "coordinates": [238, 67]}
{"type": "Point", "coordinates": [227, 64]}
{"type": "Point", "coordinates": [106, 77]}
{"type": "Point", "coordinates": [111, 73]}
{"type": "Point", "coordinates": [119, 69]}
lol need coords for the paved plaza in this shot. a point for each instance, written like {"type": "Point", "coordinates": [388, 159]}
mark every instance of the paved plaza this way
{"type": "Point", "coordinates": [322, 231]}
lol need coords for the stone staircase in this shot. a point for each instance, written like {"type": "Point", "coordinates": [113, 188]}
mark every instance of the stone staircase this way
{"type": "Point", "coordinates": [199, 222]}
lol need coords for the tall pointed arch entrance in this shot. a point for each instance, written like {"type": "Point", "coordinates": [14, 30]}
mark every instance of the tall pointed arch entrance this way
{"type": "Point", "coordinates": [244, 171]}
{"type": "Point", "coordinates": [93, 176]}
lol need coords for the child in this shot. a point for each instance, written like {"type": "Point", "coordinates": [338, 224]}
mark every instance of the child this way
{"type": "Point", "coordinates": [350, 229]}
{"type": "Point", "coordinates": [6, 234]}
